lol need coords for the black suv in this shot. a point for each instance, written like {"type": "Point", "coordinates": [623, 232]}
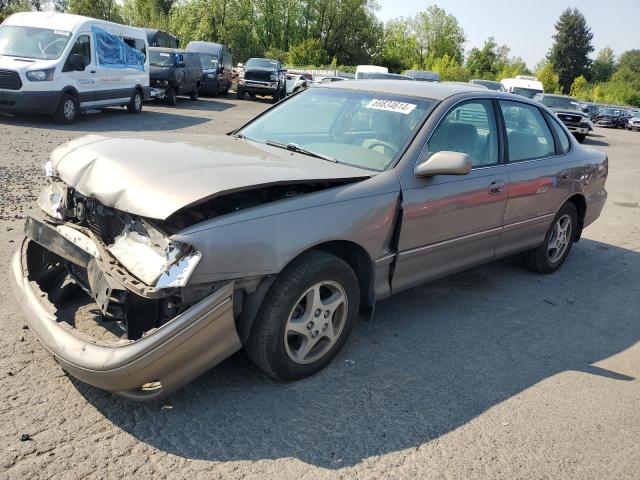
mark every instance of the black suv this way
{"type": "Point", "coordinates": [263, 76]}
{"type": "Point", "coordinates": [174, 72]}
{"type": "Point", "coordinates": [567, 109]}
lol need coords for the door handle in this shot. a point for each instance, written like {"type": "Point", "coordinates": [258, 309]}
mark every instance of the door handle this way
{"type": "Point", "coordinates": [93, 71]}
{"type": "Point", "coordinates": [497, 187]}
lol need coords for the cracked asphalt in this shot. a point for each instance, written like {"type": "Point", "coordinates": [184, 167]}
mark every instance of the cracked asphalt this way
{"type": "Point", "coordinates": [492, 373]}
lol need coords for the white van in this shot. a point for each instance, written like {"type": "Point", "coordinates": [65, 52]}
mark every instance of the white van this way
{"type": "Point", "coordinates": [523, 85]}
{"type": "Point", "coordinates": [60, 64]}
{"type": "Point", "coordinates": [360, 69]}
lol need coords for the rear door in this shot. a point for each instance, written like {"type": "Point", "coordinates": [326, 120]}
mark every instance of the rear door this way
{"type": "Point", "coordinates": [451, 222]}
{"type": "Point", "coordinates": [540, 178]}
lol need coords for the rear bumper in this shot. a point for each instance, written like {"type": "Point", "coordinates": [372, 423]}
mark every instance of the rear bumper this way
{"type": "Point", "coordinates": [29, 102]}
{"type": "Point", "coordinates": [163, 360]}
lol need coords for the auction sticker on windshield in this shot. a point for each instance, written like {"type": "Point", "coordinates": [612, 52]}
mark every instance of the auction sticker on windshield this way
{"type": "Point", "coordinates": [391, 106]}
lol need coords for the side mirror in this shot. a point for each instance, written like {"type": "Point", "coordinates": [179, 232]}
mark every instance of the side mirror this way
{"type": "Point", "coordinates": [444, 163]}
{"type": "Point", "coordinates": [284, 70]}
{"type": "Point", "coordinates": [77, 62]}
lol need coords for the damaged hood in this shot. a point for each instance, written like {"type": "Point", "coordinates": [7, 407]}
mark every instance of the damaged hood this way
{"type": "Point", "coordinates": [156, 175]}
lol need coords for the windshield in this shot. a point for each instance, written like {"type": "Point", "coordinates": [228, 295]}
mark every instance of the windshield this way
{"type": "Point", "coordinates": [261, 63]}
{"type": "Point", "coordinates": [525, 92]}
{"type": "Point", "coordinates": [607, 111]}
{"type": "Point", "coordinates": [361, 129]}
{"type": "Point", "coordinates": [560, 102]}
{"type": "Point", "coordinates": [208, 61]}
{"type": "Point", "coordinates": [161, 59]}
{"type": "Point", "coordinates": [31, 42]}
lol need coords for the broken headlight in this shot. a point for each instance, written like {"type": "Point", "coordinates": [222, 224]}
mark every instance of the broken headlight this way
{"type": "Point", "coordinates": [152, 257]}
{"type": "Point", "coordinates": [53, 200]}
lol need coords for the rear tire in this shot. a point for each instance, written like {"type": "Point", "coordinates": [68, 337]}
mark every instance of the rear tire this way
{"type": "Point", "coordinates": [170, 97]}
{"type": "Point", "coordinates": [67, 111]}
{"type": "Point", "coordinates": [293, 338]}
{"type": "Point", "coordinates": [135, 104]}
{"type": "Point", "coordinates": [548, 257]}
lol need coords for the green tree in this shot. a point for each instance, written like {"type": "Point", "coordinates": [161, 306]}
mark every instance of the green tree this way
{"type": "Point", "coordinates": [631, 60]}
{"type": "Point", "coordinates": [580, 88]}
{"type": "Point", "coordinates": [147, 13]}
{"type": "Point", "coordinates": [604, 65]}
{"type": "Point", "coordinates": [512, 67]}
{"type": "Point", "coordinates": [399, 48]}
{"type": "Point", "coordinates": [450, 69]}
{"type": "Point", "coordinates": [308, 52]}
{"type": "Point", "coordinates": [102, 9]}
{"type": "Point", "coordinates": [438, 34]}
{"type": "Point", "coordinates": [489, 61]}
{"type": "Point", "coordinates": [549, 78]}
{"type": "Point", "coordinates": [277, 54]}
{"type": "Point", "coordinates": [569, 54]}
{"type": "Point", "coordinates": [9, 7]}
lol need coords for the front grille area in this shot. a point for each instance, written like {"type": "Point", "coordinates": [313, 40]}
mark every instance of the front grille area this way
{"type": "Point", "coordinates": [262, 76]}
{"type": "Point", "coordinates": [570, 118]}
{"type": "Point", "coordinates": [10, 80]}
{"type": "Point", "coordinates": [104, 222]}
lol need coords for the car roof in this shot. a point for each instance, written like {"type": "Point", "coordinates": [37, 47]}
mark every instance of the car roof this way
{"type": "Point", "coordinates": [432, 90]}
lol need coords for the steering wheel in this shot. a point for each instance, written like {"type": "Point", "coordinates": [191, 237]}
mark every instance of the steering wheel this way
{"type": "Point", "coordinates": [382, 143]}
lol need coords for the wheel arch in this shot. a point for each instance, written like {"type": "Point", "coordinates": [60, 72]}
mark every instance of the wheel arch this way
{"type": "Point", "coordinates": [350, 252]}
{"type": "Point", "coordinates": [580, 203]}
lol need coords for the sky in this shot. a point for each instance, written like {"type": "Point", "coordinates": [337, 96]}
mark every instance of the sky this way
{"type": "Point", "coordinates": [527, 26]}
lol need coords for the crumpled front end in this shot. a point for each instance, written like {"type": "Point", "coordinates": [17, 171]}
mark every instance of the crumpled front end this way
{"type": "Point", "coordinates": [107, 294]}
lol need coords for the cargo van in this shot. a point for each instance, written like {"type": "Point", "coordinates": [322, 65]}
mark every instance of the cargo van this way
{"type": "Point", "coordinates": [364, 69]}
{"type": "Point", "coordinates": [60, 64]}
{"type": "Point", "coordinates": [217, 66]}
{"type": "Point", "coordinates": [523, 85]}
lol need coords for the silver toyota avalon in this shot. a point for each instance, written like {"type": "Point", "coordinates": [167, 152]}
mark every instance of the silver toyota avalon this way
{"type": "Point", "coordinates": [156, 257]}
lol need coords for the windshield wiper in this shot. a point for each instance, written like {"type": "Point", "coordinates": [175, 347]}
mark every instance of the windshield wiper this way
{"type": "Point", "coordinates": [294, 147]}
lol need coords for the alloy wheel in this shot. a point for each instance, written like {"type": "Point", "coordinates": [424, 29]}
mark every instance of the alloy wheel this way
{"type": "Point", "coordinates": [559, 239]}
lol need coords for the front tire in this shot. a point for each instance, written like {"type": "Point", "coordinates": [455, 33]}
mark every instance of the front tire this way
{"type": "Point", "coordinates": [135, 104]}
{"type": "Point", "coordinates": [240, 93]}
{"type": "Point", "coordinates": [306, 317]}
{"type": "Point", "coordinates": [580, 137]}
{"type": "Point", "coordinates": [193, 95]}
{"type": "Point", "coordinates": [170, 97]}
{"type": "Point", "coordinates": [549, 256]}
{"type": "Point", "coordinates": [276, 96]}
{"type": "Point", "coordinates": [67, 111]}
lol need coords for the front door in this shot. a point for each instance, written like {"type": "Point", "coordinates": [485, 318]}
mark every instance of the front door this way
{"type": "Point", "coordinates": [452, 222]}
{"type": "Point", "coordinates": [83, 81]}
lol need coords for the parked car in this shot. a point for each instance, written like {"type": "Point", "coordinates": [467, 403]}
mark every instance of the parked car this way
{"type": "Point", "coordinates": [634, 123]}
{"type": "Point", "coordinates": [60, 64]}
{"type": "Point", "coordinates": [275, 237]}
{"type": "Point", "coordinates": [490, 84]}
{"type": "Point", "coordinates": [174, 72]}
{"type": "Point", "coordinates": [568, 111]}
{"type": "Point", "coordinates": [160, 38]}
{"type": "Point", "coordinates": [590, 109]}
{"type": "Point", "coordinates": [217, 66]}
{"type": "Point", "coordinates": [383, 76]}
{"type": "Point", "coordinates": [295, 83]}
{"type": "Point", "coordinates": [423, 75]}
{"type": "Point", "coordinates": [331, 79]}
{"type": "Point", "coordinates": [607, 117]}
{"type": "Point", "coordinates": [263, 76]}
{"type": "Point", "coordinates": [523, 85]}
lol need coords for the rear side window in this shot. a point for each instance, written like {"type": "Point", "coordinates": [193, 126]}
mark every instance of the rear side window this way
{"type": "Point", "coordinates": [469, 128]}
{"type": "Point", "coordinates": [528, 135]}
{"type": "Point", "coordinates": [565, 143]}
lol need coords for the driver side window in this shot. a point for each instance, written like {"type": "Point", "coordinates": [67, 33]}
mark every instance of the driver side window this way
{"type": "Point", "coordinates": [82, 46]}
{"type": "Point", "coordinates": [469, 128]}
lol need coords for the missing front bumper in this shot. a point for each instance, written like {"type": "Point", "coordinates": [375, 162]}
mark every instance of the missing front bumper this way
{"type": "Point", "coordinates": [163, 360]}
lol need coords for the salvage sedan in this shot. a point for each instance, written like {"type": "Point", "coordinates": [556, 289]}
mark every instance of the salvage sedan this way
{"type": "Point", "coordinates": [156, 257]}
